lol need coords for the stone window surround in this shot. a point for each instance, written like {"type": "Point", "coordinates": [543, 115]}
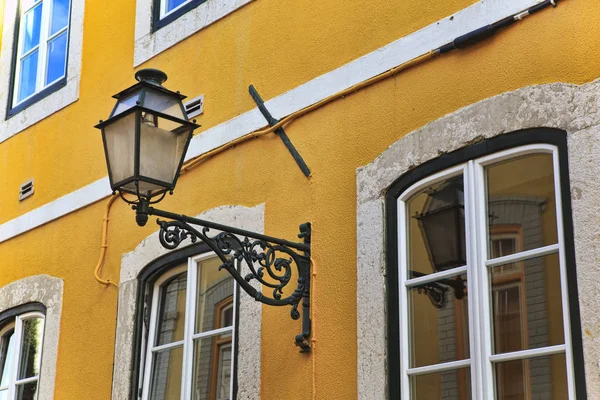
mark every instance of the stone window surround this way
{"type": "Point", "coordinates": [54, 101]}
{"type": "Point", "coordinates": [250, 311]}
{"type": "Point", "coordinates": [574, 109]}
{"type": "Point", "coordinates": [148, 44]}
{"type": "Point", "coordinates": [47, 290]}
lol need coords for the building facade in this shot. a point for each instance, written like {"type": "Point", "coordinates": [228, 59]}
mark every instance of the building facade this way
{"type": "Point", "coordinates": [444, 154]}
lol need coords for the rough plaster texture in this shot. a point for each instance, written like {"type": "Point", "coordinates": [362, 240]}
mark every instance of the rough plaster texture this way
{"type": "Point", "coordinates": [250, 319]}
{"type": "Point", "coordinates": [148, 44]}
{"type": "Point", "coordinates": [48, 291]}
{"type": "Point", "coordinates": [575, 109]}
{"type": "Point", "coordinates": [57, 100]}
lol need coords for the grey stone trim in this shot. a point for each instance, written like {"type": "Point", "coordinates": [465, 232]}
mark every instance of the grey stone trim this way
{"type": "Point", "coordinates": [573, 108]}
{"type": "Point", "coordinates": [250, 311]}
{"type": "Point", "coordinates": [47, 290]}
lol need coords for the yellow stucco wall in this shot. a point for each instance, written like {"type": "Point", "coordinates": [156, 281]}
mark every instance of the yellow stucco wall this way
{"type": "Point", "coordinates": [276, 46]}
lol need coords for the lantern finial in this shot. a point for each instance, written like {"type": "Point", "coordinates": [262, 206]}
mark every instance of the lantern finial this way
{"type": "Point", "coordinates": [151, 75]}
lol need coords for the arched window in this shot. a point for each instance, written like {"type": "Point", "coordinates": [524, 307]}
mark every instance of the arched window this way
{"type": "Point", "coordinates": [483, 299]}
{"type": "Point", "coordinates": [189, 325]}
{"type": "Point", "coordinates": [211, 349]}
{"type": "Point", "coordinates": [21, 341]}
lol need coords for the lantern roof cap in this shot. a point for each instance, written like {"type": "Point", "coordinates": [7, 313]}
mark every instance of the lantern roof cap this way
{"type": "Point", "coordinates": [152, 79]}
{"type": "Point", "coordinates": [151, 75]}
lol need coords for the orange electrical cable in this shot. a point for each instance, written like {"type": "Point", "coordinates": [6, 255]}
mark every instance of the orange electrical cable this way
{"type": "Point", "coordinates": [195, 161]}
{"type": "Point", "coordinates": [104, 246]}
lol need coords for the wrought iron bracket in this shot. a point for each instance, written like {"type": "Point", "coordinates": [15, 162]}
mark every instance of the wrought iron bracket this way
{"type": "Point", "coordinates": [248, 257]}
{"type": "Point", "coordinates": [279, 131]}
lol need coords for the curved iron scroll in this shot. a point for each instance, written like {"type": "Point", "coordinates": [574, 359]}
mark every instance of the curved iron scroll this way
{"type": "Point", "coordinates": [267, 260]}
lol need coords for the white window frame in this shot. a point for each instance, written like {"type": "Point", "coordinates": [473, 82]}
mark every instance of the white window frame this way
{"type": "Point", "coordinates": [13, 381]}
{"type": "Point", "coordinates": [189, 336]}
{"type": "Point", "coordinates": [482, 360]}
{"type": "Point", "coordinates": [42, 48]}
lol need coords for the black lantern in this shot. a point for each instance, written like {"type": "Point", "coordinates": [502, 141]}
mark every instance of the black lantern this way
{"type": "Point", "coordinates": [442, 224]}
{"type": "Point", "coordinates": [145, 141]}
{"type": "Point", "coordinates": [146, 137]}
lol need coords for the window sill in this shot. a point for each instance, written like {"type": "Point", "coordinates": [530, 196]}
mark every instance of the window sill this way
{"type": "Point", "coordinates": [149, 42]}
{"type": "Point", "coordinates": [36, 98]}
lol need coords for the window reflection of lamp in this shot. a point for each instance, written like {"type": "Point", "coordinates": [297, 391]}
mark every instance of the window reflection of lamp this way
{"type": "Point", "coordinates": [222, 352]}
{"type": "Point", "coordinates": [442, 225]}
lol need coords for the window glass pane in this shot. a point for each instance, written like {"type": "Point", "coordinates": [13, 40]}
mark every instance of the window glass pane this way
{"type": "Point", "coordinates": [215, 288]}
{"type": "Point", "coordinates": [439, 321]}
{"type": "Point", "coordinates": [27, 391]}
{"type": "Point", "coordinates": [60, 15]}
{"type": "Point", "coordinates": [212, 368]}
{"type": "Point", "coordinates": [32, 21]}
{"type": "Point", "coordinates": [224, 372]}
{"type": "Point", "coordinates": [527, 304]}
{"type": "Point", "coordinates": [436, 231]}
{"type": "Point", "coordinates": [57, 58]}
{"type": "Point", "coordinates": [171, 319]}
{"type": "Point", "coordinates": [7, 345]}
{"type": "Point", "coordinates": [166, 374]}
{"type": "Point", "coordinates": [534, 378]}
{"type": "Point", "coordinates": [226, 316]}
{"type": "Point", "coordinates": [31, 347]}
{"type": "Point", "coordinates": [172, 4]}
{"type": "Point", "coordinates": [521, 200]}
{"type": "Point", "coordinates": [28, 75]}
{"type": "Point", "coordinates": [447, 385]}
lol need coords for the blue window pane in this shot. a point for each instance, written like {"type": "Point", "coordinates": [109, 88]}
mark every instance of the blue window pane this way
{"type": "Point", "coordinates": [57, 58]}
{"type": "Point", "coordinates": [171, 4]}
{"type": "Point", "coordinates": [60, 15]}
{"type": "Point", "coordinates": [32, 22]}
{"type": "Point", "coordinates": [28, 75]}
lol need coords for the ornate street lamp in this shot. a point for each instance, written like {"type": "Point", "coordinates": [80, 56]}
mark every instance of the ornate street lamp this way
{"type": "Point", "coordinates": [442, 225]}
{"type": "Point", "coordinates": [145, 141]}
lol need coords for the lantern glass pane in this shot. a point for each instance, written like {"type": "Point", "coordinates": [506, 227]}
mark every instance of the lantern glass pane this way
{"type": "Point", "coordinates": [162, 146]}
{"type": "Point", "coordinates": [163, 103]}
{"type": "Point", "coordinates": [436, 231]}
{"type": "Point", "coordinates": [120, 147]}
{"type": "Point", "coordinates": [521, 201]}
{"type": "Point", "coordinates": [126, 102]}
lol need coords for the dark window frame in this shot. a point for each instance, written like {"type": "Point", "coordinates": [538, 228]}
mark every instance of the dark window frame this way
{"type": "Point", "coordinates": [550, 136]}
{"type": "Point", "coordinates": [158, 23]}
{"type": "Point", "coordinates": [9, 315]}
{"type": "Point", "coordinates": [12, 111]}
{"type": "Point", "coordinates": [145, 284]}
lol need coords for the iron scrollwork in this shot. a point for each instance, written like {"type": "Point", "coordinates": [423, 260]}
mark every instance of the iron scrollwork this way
{"type": "Point", "coordinates": [269, 261]}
